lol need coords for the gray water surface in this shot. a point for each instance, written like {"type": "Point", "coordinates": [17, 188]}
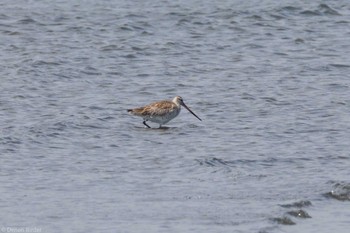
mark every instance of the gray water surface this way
{"type": "Point", "coordinates": [270, 79]}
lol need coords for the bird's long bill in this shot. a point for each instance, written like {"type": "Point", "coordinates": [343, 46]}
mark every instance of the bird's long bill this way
{"type": "Point", "coordinates": [191, 111]}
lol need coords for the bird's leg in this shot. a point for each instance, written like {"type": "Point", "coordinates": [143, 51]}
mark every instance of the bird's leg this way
{"type": "Point", "coordinates": [144, 122]}
{"type": "Point", "coordinates": [160, 126]}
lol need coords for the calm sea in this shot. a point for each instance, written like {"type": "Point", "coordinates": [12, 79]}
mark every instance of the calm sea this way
{"type": "Point", "coordinates": [270, 79]}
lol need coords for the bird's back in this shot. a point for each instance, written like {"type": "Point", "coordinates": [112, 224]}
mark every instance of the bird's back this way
{"type": "Point", "coordinates": [160, 108]}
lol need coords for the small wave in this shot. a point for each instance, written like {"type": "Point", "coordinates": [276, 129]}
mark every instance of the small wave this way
{"type": "Point", "coordinates": [310, 13]}
{"type": "Point", "coordinates": [111, 47]}
{"type": "Point", "coordinates": [213, 162]}
{"type": "Point", "coordinates": [284, 220]}
{"type": "Point", "coordinates": [285, 12]}
{"type": "Point", "coordinates": [10, 140]}
{"type": "Point", "coordinates": [3, 16]}
{"type": "Point", "coordinates": [299, 204]}
{"type": "Point", "coordinates": [299, 214]}
{"type": "Point", "coordinates": [135, 48]}
{"type": "Point", "coordinates": [45, 63]}
{"type": "Point", "coordinates": [12, 33]}
{"type": "Point", "coordinates": [340, 192]}
{"type": "Point", "coordinates": [340, 65]}
{"type": "Point", "coordinates": [289, 217]}
{"type": "Point", "coordinates": [89, 70]}
{"type": "Point", "coordinates": [325, 9]}
{"type": "Point", "coordinates": [130, 56]}
{"type": "Point", "coordinates": [338, 86]}
{"type": "Point", "coordinates": [27, 20]}
{"type": "Point", "coordinates": [322, 9]}
{"type": "Point", "coordinates": [290, 8]}
{"type": "Point", "coordinates": [126, 28]}
{"type": "Point", "coordinates": [299, 41]}
{"type": "Point", "coordinates": [59, 126]}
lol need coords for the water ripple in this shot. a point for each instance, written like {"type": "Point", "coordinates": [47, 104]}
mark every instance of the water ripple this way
{"type": "Point", "coordinates": [268, 78]}
{"type": "Point", "coordinates": [340, 192]}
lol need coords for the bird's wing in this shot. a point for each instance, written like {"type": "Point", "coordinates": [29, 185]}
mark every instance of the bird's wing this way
{"type": "Point", "coordinates": [159, 108]}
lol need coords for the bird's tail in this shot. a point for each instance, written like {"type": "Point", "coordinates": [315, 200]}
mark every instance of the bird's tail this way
{"type": "Point", "coordinates": [129, 110]}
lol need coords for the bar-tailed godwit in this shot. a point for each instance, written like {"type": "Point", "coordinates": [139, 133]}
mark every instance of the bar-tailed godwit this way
{"type": "Point", "coordinates": [161, 112]}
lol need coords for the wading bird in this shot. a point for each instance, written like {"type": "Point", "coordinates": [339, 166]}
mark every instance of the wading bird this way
{"type": "Point", "coordinates": [161, 112]}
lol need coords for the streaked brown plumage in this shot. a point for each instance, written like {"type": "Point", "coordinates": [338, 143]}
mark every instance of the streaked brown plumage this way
{"type": "Point", "coordinates": [160, 112]}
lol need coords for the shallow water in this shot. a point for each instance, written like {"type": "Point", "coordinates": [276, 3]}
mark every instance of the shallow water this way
{"type": "Point", "coordinates": [269, 79]}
